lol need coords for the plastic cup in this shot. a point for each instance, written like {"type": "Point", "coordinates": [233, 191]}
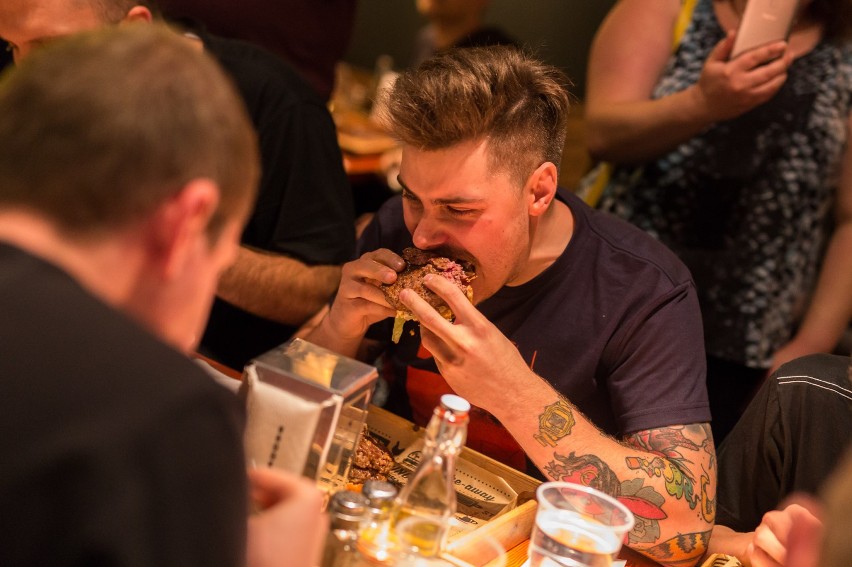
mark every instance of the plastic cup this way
{"type": "Point", "coordinates": [577, 526]}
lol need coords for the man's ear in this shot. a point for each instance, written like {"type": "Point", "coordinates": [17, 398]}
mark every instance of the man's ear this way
{"type": "Point", "coordinates": [179, 226]}
{"type": "Point", "coordinates": [138, 14]}
{"type": "Point", "coordinates": [542, 186]}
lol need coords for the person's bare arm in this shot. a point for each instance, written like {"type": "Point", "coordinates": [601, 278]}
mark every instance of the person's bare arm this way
{"type": "Point", "coordinates": [667, 474]}
{"type": "Point", "coordinates": [730, 542]}
{"type": "Point", "coordinates": [277, 287]}
{"type": "Point", "coordinates": [367, 350]}
{"type": "Point", "coordinates": [629, 53]}
{"type": "Point", "coordinates": [830, 310]}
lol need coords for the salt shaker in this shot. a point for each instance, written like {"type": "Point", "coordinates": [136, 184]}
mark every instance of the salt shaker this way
{"type": "Point", "coordinates": [347, 511]}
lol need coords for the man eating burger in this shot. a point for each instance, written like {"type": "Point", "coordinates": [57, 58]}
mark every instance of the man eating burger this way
{"type": "Point", "coordinates": [582, 352]}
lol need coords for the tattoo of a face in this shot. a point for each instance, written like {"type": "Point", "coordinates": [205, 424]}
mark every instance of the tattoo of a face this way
{"type": "Point", "coordinates": [683, 549]}
{"type": "Point", "coordinates": [555, 423]}
{"type": "Point", "coordinates": [645, 502]}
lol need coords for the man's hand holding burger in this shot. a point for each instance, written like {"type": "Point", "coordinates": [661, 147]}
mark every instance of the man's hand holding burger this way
{"type": "Point", "coordinates": [477, 360]}
{"type": "Point", "coordinates": [418, 265]}
{"type": "Point", "coordinates": [359, 301]}
{"type": "Point", "coordinates": [369, 292]}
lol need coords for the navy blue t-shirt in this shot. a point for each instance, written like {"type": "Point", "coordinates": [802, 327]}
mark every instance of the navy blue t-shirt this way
{"type": "Point", "coordinates": [613, 324]}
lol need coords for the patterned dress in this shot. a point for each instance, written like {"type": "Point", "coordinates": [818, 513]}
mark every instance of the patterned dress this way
{"type": "Point", "coordinates": [747, 204]}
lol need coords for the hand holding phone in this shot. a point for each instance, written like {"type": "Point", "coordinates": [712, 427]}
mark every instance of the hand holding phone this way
{"type": "Point", "coordinates": [762, 22]}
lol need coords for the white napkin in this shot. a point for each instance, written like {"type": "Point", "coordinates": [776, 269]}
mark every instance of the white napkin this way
{"type": "Point", "coordinates": [280, 426]}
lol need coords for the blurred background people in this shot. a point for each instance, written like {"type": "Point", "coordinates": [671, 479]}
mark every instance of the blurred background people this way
{"type": "Point", "coordinates": [128, 169]}
{"type": "Point", "coordinates": [301, 228]}
{"type": "Point", "coordinates": [312, 35]}
{"type": "Point", "coordinates": [742, 167]}
{"type": "Point", "coordinates": [455, 23]}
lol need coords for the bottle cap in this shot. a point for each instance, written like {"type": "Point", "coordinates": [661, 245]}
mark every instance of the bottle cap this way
{"type": "Point", "coordinates": [378, 492]}
{"type": "Point", "coordinates": [455, 404]}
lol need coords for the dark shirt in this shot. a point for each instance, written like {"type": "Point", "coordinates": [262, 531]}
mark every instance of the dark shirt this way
{"type": "Point", "coordinates": [613, 325]}
{"type": "Point", "coordinates": [791, 436]}
{"type": "Point", "coordinates": [312, 35]}
{"type": "Point", "coordinates": [117, 450]}
{"type": "Point", "coordinates": [304, 208]}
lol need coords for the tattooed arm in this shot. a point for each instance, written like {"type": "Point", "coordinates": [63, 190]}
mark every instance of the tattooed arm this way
{"type": "Point", "coordinates": [684, 458]}
{"type": "Point", "coordinates": [665, 476]}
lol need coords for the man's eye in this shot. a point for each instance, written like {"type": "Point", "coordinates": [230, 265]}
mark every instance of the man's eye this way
{"type": "Point", "coordinates": [460, 212]}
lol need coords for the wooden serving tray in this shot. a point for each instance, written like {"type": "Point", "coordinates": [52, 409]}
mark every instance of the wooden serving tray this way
{"type": "Point", "coordinates": [508, 529]}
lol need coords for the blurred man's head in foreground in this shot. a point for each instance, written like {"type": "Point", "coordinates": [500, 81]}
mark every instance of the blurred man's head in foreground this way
{"type": "Point", "coordinates": [129, 134]}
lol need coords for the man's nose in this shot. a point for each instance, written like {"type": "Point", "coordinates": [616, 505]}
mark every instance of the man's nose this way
{"type": "Point", "coordinates": [428, 233]}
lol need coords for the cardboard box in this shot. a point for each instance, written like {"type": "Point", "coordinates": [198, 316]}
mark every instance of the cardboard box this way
{"type": "Point", "coordinates": [508, 526]}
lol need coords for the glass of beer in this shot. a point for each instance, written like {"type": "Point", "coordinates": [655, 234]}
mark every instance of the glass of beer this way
{"type": "Point", "coordinates": [577, 526]}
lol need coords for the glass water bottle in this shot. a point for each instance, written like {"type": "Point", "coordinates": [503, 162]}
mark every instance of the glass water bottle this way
{"type": "Point", "coordinates": [427, 502]}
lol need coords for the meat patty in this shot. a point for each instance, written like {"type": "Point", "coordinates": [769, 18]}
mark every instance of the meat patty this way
{"type": "Point", "coordinates": [419, 264]}
{"type": "Point", "coordinates": [372, 461]}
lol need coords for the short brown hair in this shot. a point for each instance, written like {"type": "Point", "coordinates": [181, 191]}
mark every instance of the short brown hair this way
{"type": "Point", "coordinates": [520, 105]}
{"type": "Point", "coordinates": [101, 128]}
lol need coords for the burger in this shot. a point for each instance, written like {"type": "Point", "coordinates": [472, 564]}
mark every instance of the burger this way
{"type": "Point", "coordinates": [420, 263]}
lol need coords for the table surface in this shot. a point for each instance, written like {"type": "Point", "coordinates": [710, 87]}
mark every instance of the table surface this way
{"type": "Point", "coordinates": [516, 556]}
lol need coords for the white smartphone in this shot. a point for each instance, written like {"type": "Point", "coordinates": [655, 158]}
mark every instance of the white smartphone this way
{"type": "Point", "coordinates": [764, 21]}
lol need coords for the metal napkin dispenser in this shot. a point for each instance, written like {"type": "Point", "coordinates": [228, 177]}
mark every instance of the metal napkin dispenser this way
{"type": "Point", "coordinates": [306, 407]}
